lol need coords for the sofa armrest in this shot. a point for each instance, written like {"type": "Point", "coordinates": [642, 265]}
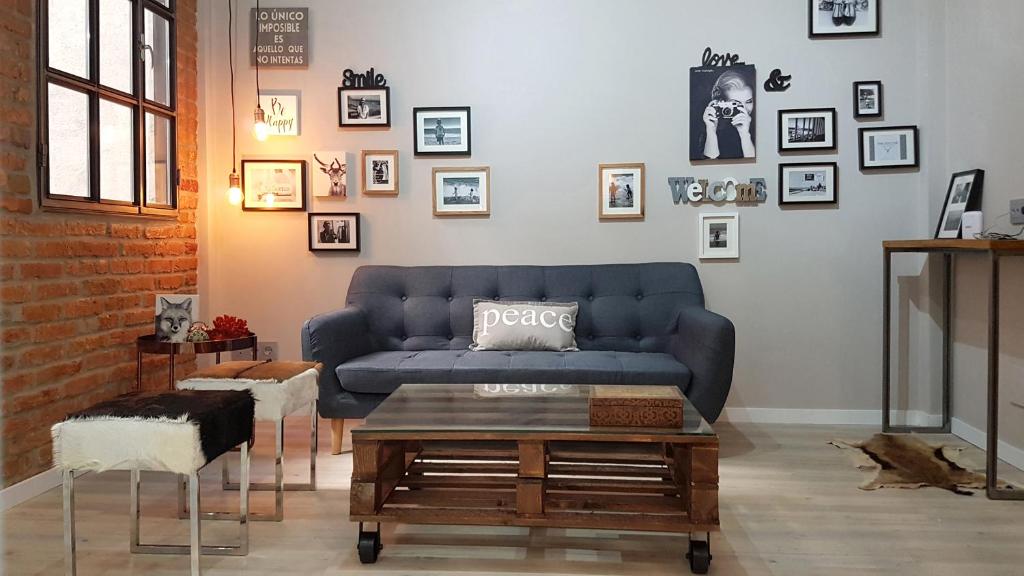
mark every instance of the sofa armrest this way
{"type": "Point", "coordinates": [706, 343]}
{"type": "Point", "coordinates": [333, 339]}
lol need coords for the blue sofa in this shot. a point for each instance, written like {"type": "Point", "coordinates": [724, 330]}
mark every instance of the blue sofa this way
{"type": "Point", "coordinates": [637, 324]}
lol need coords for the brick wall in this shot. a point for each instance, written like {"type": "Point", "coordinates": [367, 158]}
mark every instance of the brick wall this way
{"type": "Point", "coordinates": [76, 290]}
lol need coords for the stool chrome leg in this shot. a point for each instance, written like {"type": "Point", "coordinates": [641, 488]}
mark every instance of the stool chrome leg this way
{"type": "Point", "coordinates": [288, 486]}
{"type": "Point", "coordinates": [69, 523]}
{"type": "Point", "coordinates": [195, 539]}
{"type": "Point", "coordinates": [314, 423]}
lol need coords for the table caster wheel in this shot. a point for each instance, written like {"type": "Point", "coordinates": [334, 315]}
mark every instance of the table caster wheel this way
{"type": "Point", "coordinates": [700, 556]}
{"type": "Point", "coordinates": [369, 545]}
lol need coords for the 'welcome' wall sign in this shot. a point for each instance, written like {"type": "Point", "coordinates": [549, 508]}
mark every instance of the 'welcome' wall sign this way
{"type": "Point", "coordinates": [689, 190]}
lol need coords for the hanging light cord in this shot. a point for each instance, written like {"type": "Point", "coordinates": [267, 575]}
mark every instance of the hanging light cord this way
{"type": "Point", "coordinates": [231, 68]}
{"type": "Point", "coordinates": [257, 55]}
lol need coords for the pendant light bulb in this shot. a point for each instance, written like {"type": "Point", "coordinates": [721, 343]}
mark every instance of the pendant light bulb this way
{"type": "Point", "coordinates": [259, 128]}
{"type": "Point", "coordinates": [234, 189]}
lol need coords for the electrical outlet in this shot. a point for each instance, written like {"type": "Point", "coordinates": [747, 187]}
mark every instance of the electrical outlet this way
{"type": "Point", "coordinates": [1017, 212]}
{"type": "Point", "coordinates": [267, 351]}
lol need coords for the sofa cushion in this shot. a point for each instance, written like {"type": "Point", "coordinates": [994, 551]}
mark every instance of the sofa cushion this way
{"type": "Point", "coordinates": [383, 372]}
{"type": "Point", "coordinates": [524, 326]}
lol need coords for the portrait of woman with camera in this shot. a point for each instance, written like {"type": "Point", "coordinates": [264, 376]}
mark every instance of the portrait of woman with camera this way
{"type": "Point", "coordinates": [728, 118]}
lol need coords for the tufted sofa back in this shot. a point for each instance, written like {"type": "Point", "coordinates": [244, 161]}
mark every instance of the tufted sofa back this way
{"type": "Point", "coordinates": [625, 307]}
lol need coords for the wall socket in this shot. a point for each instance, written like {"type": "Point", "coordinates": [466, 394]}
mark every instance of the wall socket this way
{"type": "Point", "coordinates": [264, 351]}
{"type": "Point", "coordinates": [1017, 212]}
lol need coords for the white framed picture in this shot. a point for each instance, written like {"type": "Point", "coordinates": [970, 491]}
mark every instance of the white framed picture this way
{"type": "Point", "coordinates": [380, 172]}
{"type": "Point", "coordinates": [888, 147]}
{"type": "Point", "coordinates": [330, 174]}
{"type": "Point", "coordinates": [282, 110]}
{"type": "Point", "coordinates": [620, 191]}
{"type": "Point", "coordinates": [719, 235]}
{"type": "Point", "coordinates": [462, 191]}
{"type": "Point", "coordinates": [175, 314]}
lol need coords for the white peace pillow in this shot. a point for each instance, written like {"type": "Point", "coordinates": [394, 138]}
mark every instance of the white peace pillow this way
{"type": "Point", "coordinates": [524, 326]}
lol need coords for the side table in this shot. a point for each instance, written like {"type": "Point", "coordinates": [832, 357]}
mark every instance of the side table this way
{"type": "Point", "coordinates": [148, 344]}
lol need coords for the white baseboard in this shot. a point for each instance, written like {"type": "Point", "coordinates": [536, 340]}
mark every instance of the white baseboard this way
{"type": "Point", "coordinates": [1007, 452]}
{"type": "Point", "coordinates": [826, 417]}
{"type": "Point", "coordinates": [29, 488]}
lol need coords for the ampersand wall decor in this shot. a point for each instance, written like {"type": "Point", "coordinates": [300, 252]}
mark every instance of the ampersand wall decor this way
{"type": "Point", "coordinates": [777, 81]}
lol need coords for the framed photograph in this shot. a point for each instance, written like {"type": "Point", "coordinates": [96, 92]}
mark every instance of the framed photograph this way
{"type": "Point", "coordinates": [722, 118]}
{"type": "Point", "coordinates": [964, 195]}
{"type": "Point", "coordinates": [442, 131]}
{"type": "Point", "coordinates": [330, 174]}
{"type": "Point", "coordinates": [867, 99]}
{"type": "Point", "coordinates": [175, 314]}
{"type": "Point", "coordinates": [807, 129]}
{"type": "Point", "coordinates": [462, 191]}
{"type": "Point", "coordinates": [282, 109]}
{"type": "Point", "coordinates": [719, 235]}
{"type": "Point", "coordinates": [889, 147]}
{"type": "Point", "coordinates": [620, 192]}
{"type": "Point", "coordinates": [274, 185]}
{"type": "Point", "coordinates": [364, 107]}
{"type": "Point", "coordinates": [380, 172]}
{"type": "Point", "coordinates": [334, 232]}
{"type": "Point", "coordinates": [809, 183]}
{"type": "Point", "coordinates": [843, 18]}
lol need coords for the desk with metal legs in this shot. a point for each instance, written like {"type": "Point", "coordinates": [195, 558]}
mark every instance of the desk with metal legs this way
{"type": "Point", "coordinates": [994, 250]}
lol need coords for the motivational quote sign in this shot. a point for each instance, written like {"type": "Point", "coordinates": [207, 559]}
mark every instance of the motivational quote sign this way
{"type": "Point", "coordinates": [279, 37]}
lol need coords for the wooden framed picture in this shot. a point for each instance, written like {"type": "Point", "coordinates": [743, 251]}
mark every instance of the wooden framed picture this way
{"type": "Point", "coordinates": [807, 129]}
{"type": "Point", "coordinates": [888, 147]}
{"type": "Point", "coordinates": [380, 172]}
{"type": "Point", "coordinates": [620, 191]}
{"type": "Point", "coordinates": [963, 195]}
{"type": "Point", "coordinates": [282, 110]}
{"type": "Point", "coordinates": [809, 183]}
{"type": "Point", "coordinates": [336, 231]}
{"type": "Point", "coordinates": [364, 107]}
{"type": "Point", "coordinates": [867, 99]}
{"type": "Point", "coordinates": [442, 131]}
{"type": "Point", "coordinates": [462, 191]}
{"type": "Point", "coordinates": [843, 18]}
{"type": "Point", "coordinates": [719, 235]}
{"type": "Point", "coordinates": [274, 185]}
{"type": "Point", "coordinates": [330, 174]}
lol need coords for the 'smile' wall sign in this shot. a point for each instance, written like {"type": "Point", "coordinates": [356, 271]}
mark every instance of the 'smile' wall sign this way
{"type": "Point", "coordinates": [283, 37]}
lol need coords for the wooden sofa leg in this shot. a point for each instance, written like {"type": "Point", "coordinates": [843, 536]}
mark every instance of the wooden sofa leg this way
{"type": "Point", "coordinates": [337, 433]}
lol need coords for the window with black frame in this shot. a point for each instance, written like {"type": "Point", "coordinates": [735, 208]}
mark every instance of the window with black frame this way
{"type": "Point", "coordinates": [107, 106]}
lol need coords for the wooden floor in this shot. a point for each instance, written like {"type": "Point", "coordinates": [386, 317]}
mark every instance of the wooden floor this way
{"type": "Point", "coordinates": [789, 506]}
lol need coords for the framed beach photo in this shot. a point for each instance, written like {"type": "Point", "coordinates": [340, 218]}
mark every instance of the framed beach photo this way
{"type": "Point", "coordinates": [888, 147]}
{"type": "Point", "coordinates": [462, 191]}
{"type": "Point", "coordinates": [620, 191]}
{"type": "Point", "coordinates": [274, 185]}
{"type": "Point", "coordinates": [807, 129]}
{"type": "Point", "coordinates": [364, 107]}
{"type": "Point", "coordinates": [380, 172]}
{"type": "Point", "coordinates": [282, 110]}
{"type": "Point", "coordinates": [442, 131]}
{"type": "Point", "coordinates": [330, 232]}
{"type": "Point", "coordinates": [719, 235]}
{"type": "Point", "coordinates": [843, 18]}
{"type": "Point", "coordinates": [330, 174]}
{"type": "Point", "coordinates": [867, 99]}
{"type": "Point", "coordinates": [963, 195]}
{"type": "Point", "coordinates": [808, 183]}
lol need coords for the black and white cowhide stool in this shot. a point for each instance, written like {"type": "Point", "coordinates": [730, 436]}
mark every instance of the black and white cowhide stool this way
{"type": "Point", "coordinates": [280, 389]}
{"type": "Point", "coordinates": [178, 432]}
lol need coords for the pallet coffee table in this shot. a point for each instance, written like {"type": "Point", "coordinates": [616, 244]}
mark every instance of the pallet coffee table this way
{"type": "Point", "coordinates": [526, 455]}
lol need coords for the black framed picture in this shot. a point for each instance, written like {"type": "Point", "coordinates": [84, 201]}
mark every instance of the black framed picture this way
{"type": "Point", "coordinates": [364, 107]}
{"type": "Point", "coordinates": [722, 113]}
{"type": "Point", "coordinates": [442, 131]}
{"type": "Point", "coordinates": [843, 18]}
{"type": "Point", "coordinates": [334, 231]}
{"type": "Point", "coordinates": [867, 99]}
{"type": "Point", "coordinates": [807, 129]}
{"type": "Point", "coordinates": [808, 183]}
{"type": "Point", "coordinates": [274, 185]}
{"type": "Point", "coordinates": [964, 195]}
{"type": "Point", "coordinates": [888, 147]}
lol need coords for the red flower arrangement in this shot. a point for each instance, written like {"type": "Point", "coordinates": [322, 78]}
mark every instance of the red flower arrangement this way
{"type": "Point", "coordinates": [226, 327]}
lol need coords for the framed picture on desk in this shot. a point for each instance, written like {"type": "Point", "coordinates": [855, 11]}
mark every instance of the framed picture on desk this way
{"type": "Point", "coordinates": [963, 195]}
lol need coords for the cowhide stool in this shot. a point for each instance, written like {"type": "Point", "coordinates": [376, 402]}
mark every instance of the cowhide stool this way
{"type": "Point", "coordinates": [178, 432]}
{"type": "Point", "coordinates": [280, 389]}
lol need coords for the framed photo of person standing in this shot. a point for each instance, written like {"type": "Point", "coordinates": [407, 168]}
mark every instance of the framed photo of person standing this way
{"type": "Point", "coordinates": [442, 131]}
{"type": "Point", "coordinates": [722, 116]}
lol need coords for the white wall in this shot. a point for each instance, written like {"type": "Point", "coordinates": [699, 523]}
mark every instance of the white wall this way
{"type": "Point", "coordinates": [555, 89]}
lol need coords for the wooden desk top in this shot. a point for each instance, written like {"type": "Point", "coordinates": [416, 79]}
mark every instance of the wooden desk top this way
{"type": "Point", "coordinates": [1005, 246]}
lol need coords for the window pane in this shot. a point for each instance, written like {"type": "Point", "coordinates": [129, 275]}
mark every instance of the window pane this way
{"type": "Point", "coordinates": [116, 46]}
{"type": "Point", "coordinates": [157, 65]}
{"type": "Point", "coordinates": [117, 173]}
{"type": "Point", "coordinates": [68, 133]}
{"type": "Point", "coordinates": [158, 158]}
{"type": "Point", "coordinates": [68, 36]}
